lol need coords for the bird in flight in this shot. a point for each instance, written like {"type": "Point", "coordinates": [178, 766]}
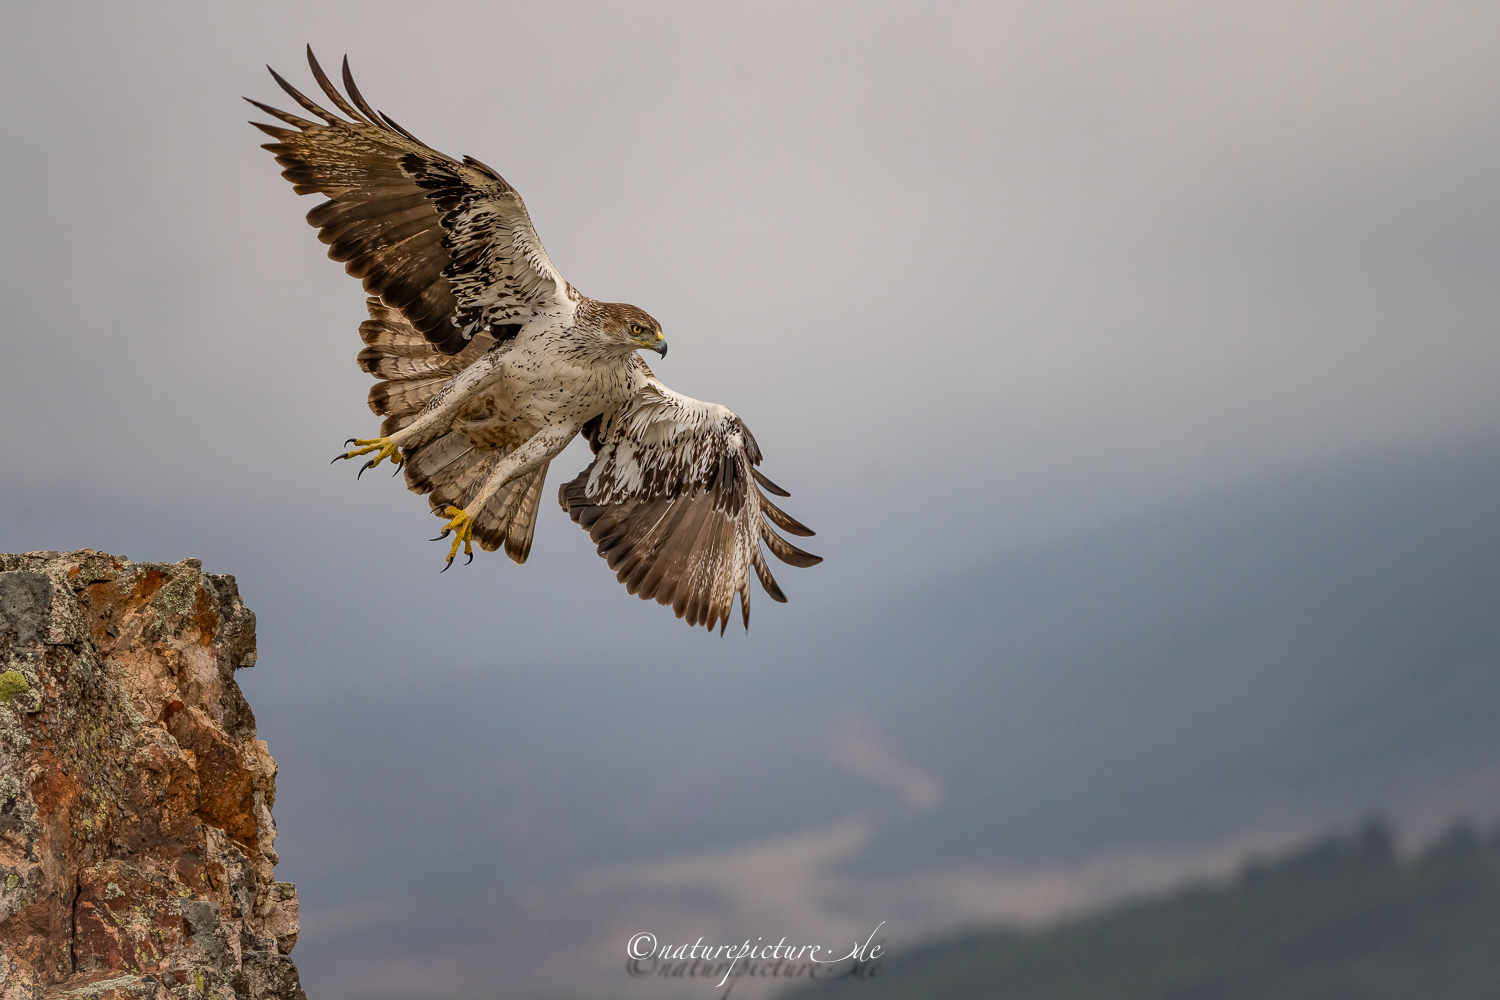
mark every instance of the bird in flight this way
{"type": "Point", "coordinates": [489, 363]}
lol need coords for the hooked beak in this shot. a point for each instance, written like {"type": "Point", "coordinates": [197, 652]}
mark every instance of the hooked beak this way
{"type": "Point", "coordinates": [661, 345]}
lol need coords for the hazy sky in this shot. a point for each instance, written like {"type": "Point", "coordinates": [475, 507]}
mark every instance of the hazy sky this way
{"type": "Point", "coordinates": [1054, 258]}
{"type": "Point", "coordinates": [985, 280]}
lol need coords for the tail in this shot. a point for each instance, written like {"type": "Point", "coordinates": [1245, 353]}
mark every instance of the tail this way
{"type": "Point", "coordinates": [452, 468]}
{"type": "Point", "coordinates": [411, 369]}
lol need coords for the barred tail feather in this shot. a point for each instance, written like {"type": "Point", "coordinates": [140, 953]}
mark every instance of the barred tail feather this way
{"type": "Point", "coordinates": [392, 424]}
{"type": "Point", "coordinates": [523, 526]}
{"type": "Point", "coordinates": [412, 369]}
{"type": "Point", "coordinates": [451, 470]}
{"type": "Point", "coordinates": [401, 399]}
{"type": "Point", "coordinates": [509, 517]}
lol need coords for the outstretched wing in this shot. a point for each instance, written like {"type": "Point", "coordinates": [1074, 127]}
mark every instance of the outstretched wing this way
{"type": "Point", "coordinates": [448, 243]}
{"type": "Point", "coordinates": [674, 501]}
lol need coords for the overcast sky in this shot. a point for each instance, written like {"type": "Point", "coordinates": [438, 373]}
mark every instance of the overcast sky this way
{"type": "Point", "coordinates": [1019, 254]}
{"type": "Point", "coordinates": [983, 279]}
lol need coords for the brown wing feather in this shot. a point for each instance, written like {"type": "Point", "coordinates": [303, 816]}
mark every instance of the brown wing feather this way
{"type": "Point", "coordinates": [448, 243]}
{"type": "Point", "coordinates": [371, 198]}
{"type": "Point", "coordinates": [674, 504]}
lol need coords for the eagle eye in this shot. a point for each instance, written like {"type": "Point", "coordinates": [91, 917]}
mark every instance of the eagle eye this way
{"type": "Point", "coordinates": [635, 328]}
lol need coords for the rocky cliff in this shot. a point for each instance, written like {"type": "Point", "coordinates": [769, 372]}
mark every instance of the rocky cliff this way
{"type": "Point", "coordinates": [135, 801]}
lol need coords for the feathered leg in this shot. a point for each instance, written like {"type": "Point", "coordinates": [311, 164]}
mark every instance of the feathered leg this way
{"type": "Point", "coordinates": [438, 415]}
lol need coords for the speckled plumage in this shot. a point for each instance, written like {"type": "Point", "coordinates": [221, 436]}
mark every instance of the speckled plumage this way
{"type": "Point", "coordinates": [490, 363]}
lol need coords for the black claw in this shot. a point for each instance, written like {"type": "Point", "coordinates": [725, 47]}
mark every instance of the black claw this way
{"type": "Point", "coordinates": [362, 468]}
{"type": "Point", "coordinates": [337, 458]}
{"type": "Point", "coordinates": [444, 535]}
{"type": "Point", "coordinates": [350, 441]}
{"type": "Point", "coordinates": [396, 470]}
{"type": "Point", "coordinates": [445, 568]}
{"type": "Point", "coordinates": [470, 559]}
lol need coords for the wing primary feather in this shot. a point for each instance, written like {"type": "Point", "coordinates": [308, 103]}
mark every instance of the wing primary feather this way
{"type": "Point", "coordinates": [331, 90]}
{"type": "Point", "coordinates": [302, 99]}
{"type": "Point", "coordinates": [392, 123]}
{"type": "Point", "coordinates": [357, 97]}
{"type": "Point", "coordinates": [770, 486]}
{"type": "Point", "coordinates": [287, 117]}
{"type": "Point", "coordinates": [767, 581]}
{"type": "Point", "coordinates": [783, 520]}
{"type": "Point", "coordinates": [787, 552]}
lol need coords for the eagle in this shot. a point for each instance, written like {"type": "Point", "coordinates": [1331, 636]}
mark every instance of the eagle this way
{"type": "Point", "coordinates": [489, 363]}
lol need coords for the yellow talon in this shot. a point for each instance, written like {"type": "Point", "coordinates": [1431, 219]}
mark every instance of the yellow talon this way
{"type": "Point", "coordinates": [462, 527]}
{"type": "Point", "coordinates": [382, 447]}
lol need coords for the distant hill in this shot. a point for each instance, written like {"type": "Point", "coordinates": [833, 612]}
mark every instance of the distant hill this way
{"type": "Point", "coordinates": [1345, 919]}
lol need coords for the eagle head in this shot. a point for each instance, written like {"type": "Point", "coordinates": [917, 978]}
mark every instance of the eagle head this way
{"type": "Point", "coordinates": [630, 328]}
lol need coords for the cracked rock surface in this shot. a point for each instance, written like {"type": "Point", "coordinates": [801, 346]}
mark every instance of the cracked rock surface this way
{"type": "Point", "coordinates": [135, 801]}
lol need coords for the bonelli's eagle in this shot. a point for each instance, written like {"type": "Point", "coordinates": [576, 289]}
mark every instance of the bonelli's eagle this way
{"type": "Point", "coordinates": [490, 363]}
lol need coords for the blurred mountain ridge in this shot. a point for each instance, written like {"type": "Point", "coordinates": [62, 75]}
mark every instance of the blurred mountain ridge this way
{"type": "Point", "coordinates": [1343, 918]}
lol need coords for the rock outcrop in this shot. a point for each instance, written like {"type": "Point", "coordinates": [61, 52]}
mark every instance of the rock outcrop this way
{"type": "Point", "coordinates": [135, 801]}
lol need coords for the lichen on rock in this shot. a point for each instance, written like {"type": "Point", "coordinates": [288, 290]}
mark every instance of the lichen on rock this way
{"type": "Point", "coordinates": [136, 837]}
